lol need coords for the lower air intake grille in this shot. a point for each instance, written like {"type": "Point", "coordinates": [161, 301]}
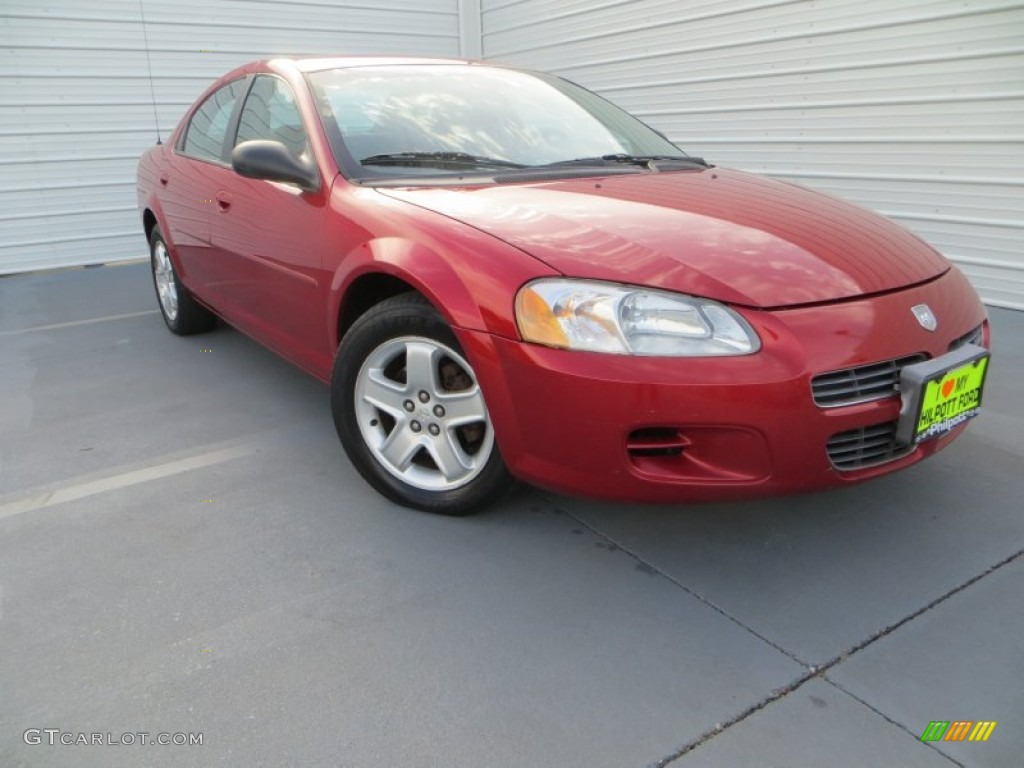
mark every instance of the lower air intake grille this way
{"type": "Point", "coordinates": [975, 336]}
{"type": "Point", "coordinates": [865, 447]}
{"type": "Point", "coordinates": [857, 385]}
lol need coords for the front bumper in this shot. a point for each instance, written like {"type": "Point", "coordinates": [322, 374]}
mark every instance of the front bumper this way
{"type": "Point", "coordinates": [696, 429]}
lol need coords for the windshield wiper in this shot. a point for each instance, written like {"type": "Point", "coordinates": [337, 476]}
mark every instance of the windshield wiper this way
{"type": "Point", "coordinates": [644, 160]}
{"type": "Point", "coordinates": [439, 160]}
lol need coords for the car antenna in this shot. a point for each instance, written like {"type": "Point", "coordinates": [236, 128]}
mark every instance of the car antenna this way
{"type": "Point", "coordinates": [149, 66]}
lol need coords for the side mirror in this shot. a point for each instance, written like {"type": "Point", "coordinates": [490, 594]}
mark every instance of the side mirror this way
{"type": "Point", "coordinates": [271, 160]}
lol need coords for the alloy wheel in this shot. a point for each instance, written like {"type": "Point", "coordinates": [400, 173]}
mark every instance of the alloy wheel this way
{"type": "Point", "coordinates": [422, 414]}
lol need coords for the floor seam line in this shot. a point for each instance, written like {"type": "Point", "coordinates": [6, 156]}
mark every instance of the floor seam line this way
{"type": "Point", "coordinates": [889, 720]}
{"type": "Point", "coordinates": [821, 670]}
{"type": "Point", "coordinates": [720, 728]}
{"type": "Point", "coordinates": [718, 609]}
{"type": "Point", "coordinates": [919, 612]}
{"type": "Point", "coordinates": [812, 669]}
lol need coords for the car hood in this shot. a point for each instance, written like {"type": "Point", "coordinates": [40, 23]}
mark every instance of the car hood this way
{"type": "Point", "coordinates": [715, 233]}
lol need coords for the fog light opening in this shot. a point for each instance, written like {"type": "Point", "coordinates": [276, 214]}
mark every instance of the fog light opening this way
{"type": "Point", "coordinates": [655, 441]}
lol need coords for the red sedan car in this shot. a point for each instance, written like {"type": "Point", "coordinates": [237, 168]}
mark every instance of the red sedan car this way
{"type": "Point", "coordinates": [502, 275]}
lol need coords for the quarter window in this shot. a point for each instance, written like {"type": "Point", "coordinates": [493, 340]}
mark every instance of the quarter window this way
{"type": "Point", "coordinates": [270, 113]}
{"type": "Point", "coordinates": [209, 125]}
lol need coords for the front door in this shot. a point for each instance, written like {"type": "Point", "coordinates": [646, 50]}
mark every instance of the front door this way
{"type": "Point", "coordinates": [269, 237]}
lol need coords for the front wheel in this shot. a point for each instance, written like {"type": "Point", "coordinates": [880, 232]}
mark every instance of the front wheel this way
{"type": "Point", "coordinates": [410, 412]}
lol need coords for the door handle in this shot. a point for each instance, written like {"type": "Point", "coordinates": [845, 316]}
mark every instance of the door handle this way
{"type": "Point", "coordinates": [223, 200]}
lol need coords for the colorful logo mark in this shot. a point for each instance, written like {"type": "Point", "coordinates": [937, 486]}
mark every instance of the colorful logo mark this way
{"type": "Point", "coordinates": [958, 730]}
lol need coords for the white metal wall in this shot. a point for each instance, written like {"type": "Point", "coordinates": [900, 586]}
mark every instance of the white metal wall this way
{"type": "Point", "coordinates": [76, 106]}
{"type": "Point", "coordinates": [914, 108]}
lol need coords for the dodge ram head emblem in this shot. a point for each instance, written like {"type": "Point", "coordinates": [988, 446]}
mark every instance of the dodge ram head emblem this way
{"type": "Point", "coordinates": [925, 316]}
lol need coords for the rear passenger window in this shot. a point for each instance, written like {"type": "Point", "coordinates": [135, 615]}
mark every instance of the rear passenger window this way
{"type": "Point", "coordinates": [270, 113]}
{"type": "Point", "coordinates": [209, 125]}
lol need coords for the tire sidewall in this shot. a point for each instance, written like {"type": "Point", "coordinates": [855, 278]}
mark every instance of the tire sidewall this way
{"type": "Point", "coordinates": [192, 317]}
{"type": "Point", "coordinates": [156, 236]}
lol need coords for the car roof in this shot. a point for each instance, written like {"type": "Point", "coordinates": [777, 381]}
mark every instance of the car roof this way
{"type": "Point", "coordinates": [315, 64]}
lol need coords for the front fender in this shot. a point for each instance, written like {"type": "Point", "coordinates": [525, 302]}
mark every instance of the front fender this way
{"type": "Point", "coordinates": [470, 276]}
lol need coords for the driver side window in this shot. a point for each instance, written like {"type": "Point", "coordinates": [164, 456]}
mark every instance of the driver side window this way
{"type": "Point", "coordinates": [270, 113]}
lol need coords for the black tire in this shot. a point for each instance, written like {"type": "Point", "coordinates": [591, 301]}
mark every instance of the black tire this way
{"type": "Point", "coordinates": [398, 330]}
{"type": "Point", "coordinates": [183, 314]}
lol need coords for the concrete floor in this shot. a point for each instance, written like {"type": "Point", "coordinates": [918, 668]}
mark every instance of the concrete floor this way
{"type": "Point", "coordinates": [185, 548]}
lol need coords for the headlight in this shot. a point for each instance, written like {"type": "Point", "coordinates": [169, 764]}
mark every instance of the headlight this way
{"type": "Point", "coordinates": [623, 320]}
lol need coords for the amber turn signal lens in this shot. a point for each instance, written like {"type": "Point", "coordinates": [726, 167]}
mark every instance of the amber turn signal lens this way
{"type": "Point", "coordinates": [537, 323]}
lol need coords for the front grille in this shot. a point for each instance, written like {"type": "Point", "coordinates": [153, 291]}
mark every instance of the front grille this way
{"type": "Point", "coordinates": [865, 447]}
{"type": "Point", "coordinates": [860, 384]}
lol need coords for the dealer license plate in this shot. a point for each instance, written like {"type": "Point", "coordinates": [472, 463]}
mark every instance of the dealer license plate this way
{"type": "Point", "coordinates": [941, 394]}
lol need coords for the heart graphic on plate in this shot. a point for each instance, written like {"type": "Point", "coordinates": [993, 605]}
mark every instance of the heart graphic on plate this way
{"type": "Point", "coordinates": [947, 387]}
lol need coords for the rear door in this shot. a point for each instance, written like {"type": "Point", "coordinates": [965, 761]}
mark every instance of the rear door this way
{"type": "Point", "coordinates": [188, 185]}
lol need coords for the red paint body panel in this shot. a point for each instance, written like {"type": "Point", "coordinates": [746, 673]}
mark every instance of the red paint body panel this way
{"type": "Point", "coordinates": [824, 284]}
{"type": "Point", "coordinates": [469, 276]}
{"type": "Point", "coordinates": [269, 242]}
{"type": "Point", "coordinates": [563, 418]}
{"type": "Point", "coordinates": [715, 233]}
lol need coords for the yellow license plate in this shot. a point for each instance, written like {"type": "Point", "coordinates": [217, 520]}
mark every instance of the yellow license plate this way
{"type": "Point", "coordinates": [949, 399]}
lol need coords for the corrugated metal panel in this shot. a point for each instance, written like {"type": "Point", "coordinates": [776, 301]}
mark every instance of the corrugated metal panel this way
{"type": "Point", "coordinates": [915, 108]}
{"type": "Point", "coordinates": [76, 100]}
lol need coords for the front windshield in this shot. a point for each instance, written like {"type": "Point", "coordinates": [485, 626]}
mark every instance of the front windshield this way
{"type": "Point", "coordinates": [478, 113]}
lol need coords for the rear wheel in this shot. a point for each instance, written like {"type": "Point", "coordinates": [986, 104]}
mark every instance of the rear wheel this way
{"type": "Point", "coordinates": [410, 412]}
{"type": "Point", "coordinates": [183, 314]}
